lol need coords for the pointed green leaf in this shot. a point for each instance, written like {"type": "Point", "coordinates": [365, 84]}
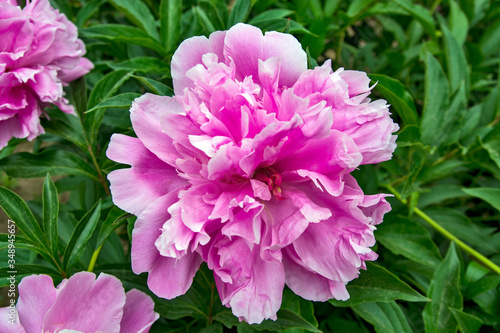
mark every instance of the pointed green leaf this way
{"type": "Point", "coordinates": [421, 14]}
{"type": "Point", "coordinates": [23, 270]}
{"type": "Point", "coordinates": [377, 284]}
{"type": "Point", "coordinates": [467, 322]}
{"type": "Point", "coordinates": [154, 86]}
{"type": "Point", "coordinates": [385, 317]}
{"type": "Point", "coordinates": [405, 237]}
{"type": "Point", "coordinates": [121, 101]}
{"type": "Point", "coordinates": [444, 293]}
{"type": "Point", "coordinates": [271, 14]}
{"type": "Point", "coordinates": [81, 235]}
{"type": "Point", "coordinates": [114, 219]}
{"type": "Point", "coordinates": [437, 99]}
{"type": "Point", "coordinates": [456, 62]}
{"type": "Point", "coordinates": [51, 214]}
{"type": "Point", "coordinates": [397, 96]}
{"type": "Point", "coordinates": [239, 12]}
{"type": "Point", "coordinates": [17, 210]}
{"type": "Point", "coordinates": [57, 162]}
{"type": "Point", "coordinates": [143, 64]}
{"type": "Point", "coordinates": [459, 24]}
{"type": "Point", "coordinates": [170, 23]}
{"type": "Point", "coordinates": [489, 194]}
{"type": "Point", "coordinates": [124, 34]}
{"type": "Point", "coordinates": [139, 14]}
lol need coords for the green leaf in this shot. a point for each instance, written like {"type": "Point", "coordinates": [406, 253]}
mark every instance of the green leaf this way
{"type": "Point", "coordinates": [114, 219]}
{"type": "Point", "coordinates": [23, 270]}
{"type": "Point", "coordinates": [459, 24]}
{"type": "Point", "coordinates": [239, 12]}
{"type": "Point", "coordinates": [81, 235]}
{"type": "Point", "coordinates": [489, 194]}
{"type": "Point", "coordinates": [121, 101]}
{"type": "Point", "coordinates": [286, 320]}
{"type": "Point", "coordinates": [377, 284]}
{"type": "Point", "coordinates": [170, 23]}
{"type": "Point", "coordinates": [107, 86]}
{"type": "Point", "coordinates": [103, 90]}
{"type": "Point", "coordinates": [357, 7]}
{"type": "Point", "coordinates": [124, 34]}
{"type": "Point", "coordinates": [437, 97]}
{"type": "Point", "coordinates": [154, 86]}
{"type": "Point", "coordinates": [88, 10]}
{"type": "Point", "coordinates": [438, 193]}
{"type": "Point", "coordinates": [467, 322]}
{"type": "Point", "coordinates": [456, 62]}
{"type": "Point", "coordinates": [493, 148]}
{"type": "Point", "coordinates": [271, 14]}
{"type": "Point", "coordinates": [17, 210]}
{"type": "Point", "coordinates": [463, 228]}
{"type": "Point", "coordinates": [139, 14]}
{"type": "Point", "coordinates": [64, 7]}
{"type": "Point", "coordinates": [444, 292]}
{"type": "Point", "coordinates": [407, 238]}
{"type": "Point", "coordinates": [483, 285]}
{"type": "Point", "coordinates": [143, 64]}
{"type": "Point", "coordinates": [204, 20]}
{"type": "Point", "coordinates": [281, 25]}
{"type": "Point", "coordinates": [420, 13]}
{"type": "Point", "coordinates": [490, 38]}
{"type": "Point", "coordinates": [57, 162]}
{"type": "Point", "coordinates": [397, 96]}
{"type": "Point", "coordinates": [409, 136]}
{"type": "Point", "coordinates": [385, 317]}
{"type": "Point", "coordinates": [51, 214]}
{"type": "Point", "coordinates": [19, 242]}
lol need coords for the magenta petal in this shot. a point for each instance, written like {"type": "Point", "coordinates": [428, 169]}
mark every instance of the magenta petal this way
{"type": "Point", "coordinates": [36, 295]}
{"type": "Point", "coordinates": [245, 45]}
{"type": "Point", "coordinates": [172, 277]}
{"type": "Point", "coordinates": [189, 54]}
{"type": "Point", "coordinates": [88, 305]}
{"type": "Point", "coordinates": [138, 313]}
{"type": "Point", "coordinates": [146, 114]}
{"type": "Point", "coordinates": [149, 177]}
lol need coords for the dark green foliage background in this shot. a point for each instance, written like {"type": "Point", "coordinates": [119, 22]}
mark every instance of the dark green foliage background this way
{"type": "Point", "coordinates": [437, 64]}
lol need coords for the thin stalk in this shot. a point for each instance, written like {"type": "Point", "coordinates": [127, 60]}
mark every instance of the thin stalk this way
{"type": "Point", "coordinates": [94, 258]}
{"type": "Point", "coordinates": [101, 178]}
{"type": "Point", "coordinates": [479, 257]}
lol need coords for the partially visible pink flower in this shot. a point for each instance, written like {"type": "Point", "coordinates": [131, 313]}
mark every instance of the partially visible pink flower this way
{"type": "Point", "coordinates": [39, 54]}
{"type": "Point", "coordinates": [247, 168]}
{"type": "Point", "coordinates": [80, 304]}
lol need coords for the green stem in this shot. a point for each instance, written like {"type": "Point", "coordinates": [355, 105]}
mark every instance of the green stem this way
{"type": "Point", "coordinates": [482, 259]}
{"type": "Point", "coordinates": [101, 178]}
{"type": "Point", "coordinates": [94, 258]}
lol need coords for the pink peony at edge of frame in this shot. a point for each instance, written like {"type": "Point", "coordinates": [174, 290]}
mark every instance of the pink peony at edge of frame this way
{"type": "Point", "coordinates": [39, 54]}
{"type": "Point", "coordinates": [81, 303]}
{"type": "Point", "coordinates": [247, 168]}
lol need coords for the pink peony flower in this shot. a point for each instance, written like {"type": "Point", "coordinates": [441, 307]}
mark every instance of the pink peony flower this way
{"type": "Point", "coordinates": [79, 304]}
{"type": "Point", "coordinates": [39, 54]}
{"type": "Point", "coordinates": [247, 168]}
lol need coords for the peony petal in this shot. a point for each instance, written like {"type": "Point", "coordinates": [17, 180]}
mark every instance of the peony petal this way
{"type": "Point", "coordinates": [87, 304]}
{"type": "Point", "coordinates": [138, 313]}
{"type": "Point", "coordinates": [190, 53]}
{"type": "Point", "coordinates": [36, 296]}
{"type": "Point", "coordinates": [257, 285]}
{"type": "Point", "coordinates": [147, 229]}
{"type": "Point", "coordinates": [149, 178]}
{"type": "Point", "coordinates": [146, 113]}
{"type": "Point", "coordinates": [9, 321]}
{"type": "Point", "coordinates": [171, 277]}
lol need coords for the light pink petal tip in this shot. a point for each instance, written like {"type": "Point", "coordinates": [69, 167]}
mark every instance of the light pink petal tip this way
{"type": "Point", "coordinates": [138, 313]}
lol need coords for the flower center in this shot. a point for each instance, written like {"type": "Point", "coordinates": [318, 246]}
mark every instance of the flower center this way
{"type": "Point", "coordinates": [273, 180]}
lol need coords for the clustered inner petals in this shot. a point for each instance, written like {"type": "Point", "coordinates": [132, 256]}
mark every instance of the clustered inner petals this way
{"type": "Point", "coordinates": [247, 168]}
